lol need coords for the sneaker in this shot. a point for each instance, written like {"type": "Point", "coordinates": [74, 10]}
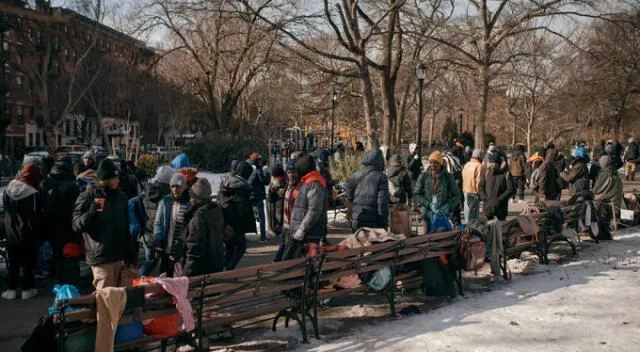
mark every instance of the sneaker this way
{"type": "Point", "coordinates": [27, 294]}
{"type": "Point", "coordinates": [9, 294]}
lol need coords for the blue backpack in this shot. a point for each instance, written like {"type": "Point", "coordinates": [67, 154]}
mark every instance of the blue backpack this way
{"type": "Point", "coordinates": [137, 217]}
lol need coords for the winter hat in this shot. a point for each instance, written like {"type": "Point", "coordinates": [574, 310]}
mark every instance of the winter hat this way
{"type": "Point", "coordinates": [255, 156]}
{"type": "Point", "coordinates": [291, 165]}
{"type": "Point", "coordinates": [467, 149]}
{"type": "Point", "coordinates": [495, 158]}
{"type": "Point", "coordinates": [234, 164]}
{"type": "Point", "coordinates": [277, 171]}
{"type": "Point", "coordinates": [201, 189]}
{"type": "Point", "coordinates": [437, 157]}
{"type": "Point", "coordinates": [61, 168]}
{"type": "Point", "coordinates": [609, 149]}
{"type": "Point", "coordinates": [89, 155]}
{"type": "Point", "coordinates": [322, 155]}
{"type": "Point", "coordinates": [178, 180]}
{"type": "Point", "coordinates": [107, 170]}
{"type": "Point", "coordinates": [478, 153]}
{"type": "Point", "coordinates": [244, 170]}
{"type": "Point", "coordinates": [190, 173]}
{"type": "Point", "coordinates": [412, 147]}
{"type": "Point", "coordinates": [304, 165]}
{"type": "Point", "coordinates": [395, 160]}
{"type": "Point", "coordinates": [30, 174]}
{"type": "Point", "coordinates": [605, 161]}
{"type": "Point", "coordinates": [581, 185]}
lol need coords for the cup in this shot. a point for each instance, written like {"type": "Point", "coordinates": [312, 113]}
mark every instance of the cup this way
{"type": "Point", "coordinates": [100, 202]}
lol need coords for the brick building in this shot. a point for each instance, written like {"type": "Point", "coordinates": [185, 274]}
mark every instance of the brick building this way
{"type": "Point", "coordinates": [47, 50]}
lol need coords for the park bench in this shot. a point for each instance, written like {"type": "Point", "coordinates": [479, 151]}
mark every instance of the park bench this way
{"type": "Point", "coordinates": [218, 300]}
{"type": "Point", "coordinates": [394, 254]}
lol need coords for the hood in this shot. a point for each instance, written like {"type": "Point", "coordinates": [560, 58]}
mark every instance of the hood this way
{"type": "Point", "coordinates": [314, 176]}
{"type": "Point", "coordinates": [516, 153]}
{"type": "Point", "coordinates": [393, 171]}
{"type": "Point", "coordinates": [373, 158]}
{"type": "Point", "coordinates": [180, 161]}
{"type": "Point", "coordinates": [236, 182]}
{"type": "Point", "coordinates": [17, 190]}
{"type": "Point", "coordinates": [61, 170]}
{"type": "Point", "coordinates": [164, 174]}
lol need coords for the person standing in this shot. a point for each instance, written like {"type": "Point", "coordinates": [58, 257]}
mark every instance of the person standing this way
{"type": "Point", "coordinates": [23, 226]}
{"type": "Point", "coordinates": [258, 180]}
{"type": "Point", "coordinates": [235, 198]}
{"type": "Point", "coordinates": [414, 163]}
{"type": "Point", "coordinates": [517, 168]}
{"type": "Point", "coordinates": [631, 158]}
{"type": "Point", "coordinates": [203, 234]}
{"type": "Point", "coordinates": [88, 163]}
{"type": "Point", "coordinates": [101, 214]}
{"type": "Point", "coordinates": [167, 225]}
{"type": "Point", "coordinates": [547, 182]}
{"type": "Point", "coordinates": [472, 175]}
{"type": "Point", "coordinates": [368, 191]}
{"type": "Point", "coordinates": [400, 191]}
{"type": "Point", "coordinates": [293, 189]}
{"type": "Point", "coordinates": [436, 190]}
{"type": "Point", "coordinates": [59, 196]}
{"type": "Point", "coordinates": [275, 199]}
{"type": "Point", "coordinates": [495, 190]}
{"type": "Point", "coordinates": [308, 216]}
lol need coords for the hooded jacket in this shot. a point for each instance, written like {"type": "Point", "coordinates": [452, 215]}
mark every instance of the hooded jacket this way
{"type": "Point", "coordinates": [23, 205]}
{"type": "Point", "coordinates": [368, 190]}
{"type": "Point", "coordinates": [258, 180]}
{"type": "Point", "coordinates": [495, 190]}
{"type": "Point", "coordinates": [518, 163]}
{"type": "Point", "coordinates": [444, 187]}
{"type": "Point", "coordinates": [632, 153]}
{"type": "Point", "coordinates": [106, 234]}
{"type": "Point", "coordinates": [203, 237]}
{"type": "Point", "coordinates": [400, 177]}
{"type": "Point", "coordinates": [609, 186]}
{"type": "Point", "coordinates": [59, 196]}
{"type": "Point", "coordinates": [309, 211]}
{"type": "Point", "coordinates": [548, 177]}
{"type": "Point", "coordinates": [235, 199]}
{"type": "Point", "coordinates": [578, 170]}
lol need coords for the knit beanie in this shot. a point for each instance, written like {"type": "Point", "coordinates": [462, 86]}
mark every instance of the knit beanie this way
{"type": "Point", "coordinates": [89, 155]}
{"type": "Point", "coordinates": [305, 164]}
{"type": "Point", "coordinates": [201, 189]}
{"type": "Point", "coordinates": [396, 159]}
{"type": "Point", "coordinates": [244, 170]}
{"type": "Point", "coordinates": [478, 153]}
{"type": "Point", "coordinates": [178, 180]}
{"type": "Point", "coordinates": [291, 165]}
{"type": "Point", "coordinates": [107, 170]}
{"type": "Point", "coordinates": [277, 171]}
{"type": "Point", "coordinates": [437, 157]}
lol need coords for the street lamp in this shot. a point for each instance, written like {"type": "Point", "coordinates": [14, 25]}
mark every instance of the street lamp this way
{"type": "Point", "coordinates": [421, 73]}
{"type": "Point", "coordinates": [334, 99]}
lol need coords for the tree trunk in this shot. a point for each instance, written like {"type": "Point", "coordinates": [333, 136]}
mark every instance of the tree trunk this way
{"type": "Point", "coordinates": [366, 89]}
{"type": "Point", "coordinates": [482, 117]}
{"type": "Point", "coordinates": [212, 106]}
{"type": "Point", "coordinates": [390, 112]}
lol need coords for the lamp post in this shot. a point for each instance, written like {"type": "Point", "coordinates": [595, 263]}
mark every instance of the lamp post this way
{"type": "Point", "coordinates": [421, 73]}
{"type": "Point", "coordinates": [334, 99]}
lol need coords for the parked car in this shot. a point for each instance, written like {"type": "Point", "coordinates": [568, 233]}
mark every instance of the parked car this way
{"type": "Point", "coordinates": [64, 150]}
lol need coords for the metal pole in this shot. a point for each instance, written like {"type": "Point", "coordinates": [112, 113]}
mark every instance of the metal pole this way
{"type": "Point", "coordinates": [333, 119]}
{"type": "Point", "coordinates": [420, 117]}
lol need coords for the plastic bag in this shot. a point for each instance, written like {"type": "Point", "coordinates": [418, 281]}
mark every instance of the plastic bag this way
{"type": "Point", "coordinates": [380, 279]}
{"type": "Point", "coordinates": [72, 250]}
{"type": "Point", "coordinates": [440, 223]}
{"type": "Point", "coordinates": [63, 292]}
{"type": "Point", "coordinates": [131, 331]}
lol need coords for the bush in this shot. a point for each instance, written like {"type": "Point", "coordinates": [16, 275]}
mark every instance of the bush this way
{"type": "Point", "coordinates": [149, 163]}
{"type": "Point", "coordinates": [348, 164]}
{"type": "Point", "coordinates": [215, 153]}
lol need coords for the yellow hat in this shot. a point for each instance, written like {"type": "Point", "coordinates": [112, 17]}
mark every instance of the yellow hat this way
{"type": "Point", "coordinates": [437, 157]}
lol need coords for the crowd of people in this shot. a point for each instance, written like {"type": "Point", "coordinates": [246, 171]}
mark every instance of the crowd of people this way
{"type": "Point", "coordinates": [98, 208]}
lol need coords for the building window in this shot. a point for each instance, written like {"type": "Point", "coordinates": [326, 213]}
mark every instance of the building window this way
{"type": "Point", "coordinates": [7, 110]}
{"type": "Point", "coordinates": [18, 59]}
{"type": "Point", "coordinates": [66, 28]}
{"type": "Point", "coordinates": [31, 139]}
{"type": "Point", "coordinates": [67, 128]}
{"type": "Point", "coordinates": [44, 139]}
{"type": "Point", "coordinates": [19, 116]}
{"type": "Point", "coordinates": [75, 128]}
{"type": "Point", "coordinates": [59, 139]}
{"type": "Point", "coordinates": [37, 138]}
{"type": "Point", "coordinates": [19, 80]}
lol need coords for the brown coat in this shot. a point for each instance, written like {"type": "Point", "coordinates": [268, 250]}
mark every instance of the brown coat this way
{"type": "Point", "coordinates": [548, 180]}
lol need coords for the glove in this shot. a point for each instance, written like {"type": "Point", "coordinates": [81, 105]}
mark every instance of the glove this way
{"type": "Point", "coordinates": [434, 207]}
{"type": "Point", "coordinates": [299, 235]}
{"type": "Point", "coordinates": [416, 156]}
{"type": "Point", "coordinates": [444, 210]}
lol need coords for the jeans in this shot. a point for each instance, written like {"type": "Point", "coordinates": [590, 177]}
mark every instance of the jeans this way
{"type": "Point", "coordinates": [23, 255]}
{"type": "Point", "coordinates": [286, 237]}
{"type": "Point", "coordinates": [258, 208]}
{"type": "Point", "coordinates": [471, 206]}
{"type": "Point", "coordinates": [235, 249]}
{"type": "Point", "coordinates": [150, 260]}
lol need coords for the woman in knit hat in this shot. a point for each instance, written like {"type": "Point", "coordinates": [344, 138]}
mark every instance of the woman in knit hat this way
{"type": "Point", "coordinates": [22, 203]}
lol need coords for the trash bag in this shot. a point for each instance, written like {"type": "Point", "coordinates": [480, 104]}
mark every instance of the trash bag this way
{"type": "Point", "coordinates": [63, 292]}
{"type": "Point", "coordinates": [440, 223]}
{"type": "Point", "coordinates": [380, 279]}
{"type": "Point", "coordinates": [131, 331]}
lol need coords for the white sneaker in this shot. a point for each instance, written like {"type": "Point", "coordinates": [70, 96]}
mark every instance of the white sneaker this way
{"type": "Point", "coordinates": [9, 294]}
{"type": "Point", "coordinates": [27, 294]}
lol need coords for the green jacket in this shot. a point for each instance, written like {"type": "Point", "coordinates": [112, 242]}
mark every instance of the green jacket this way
{"type": "Point", "coordinates": [447, 191]}
{"type": "Point", "coordinates": [609, 185]}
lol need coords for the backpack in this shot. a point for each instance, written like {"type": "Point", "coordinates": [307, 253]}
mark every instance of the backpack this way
{"type": "Point", "coordinates": [473, 250]}
{"type": "Point", "coordinates": [395, 189]}
{"type": "Point", "coordinates": [137, 218]}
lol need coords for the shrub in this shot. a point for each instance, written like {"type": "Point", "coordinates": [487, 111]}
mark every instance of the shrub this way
{"type": "Point", "coordinates": [149, 163]}
{"type": "Point", "coordinates": [347, 165]}
{"type": "Point", "coordinates": [215, 153]}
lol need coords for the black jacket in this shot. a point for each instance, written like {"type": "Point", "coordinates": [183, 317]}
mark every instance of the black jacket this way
{"type": "Point", "coordinates": [258, 180]}
{"type": "Point", "coordinates": [495, 190]}
{"type": "Point", "coordinates": [59, 195]}
{"type": "Point", "coordinates": [106, 234]}
{"type": "Point", "coordinates": [235, 198]}
{"type": "Point", "coordinates": [203, 237]}
{"type": "Point", "coordinates": [368, 190]}
{"type": "Point", "coordinates": [578, 170]}
{"type": "Point", "coordinates": [413, 167]}
{"type": "Point", "coordinates": [400, 178]}
{"type": "Point", "coordinates": [23, 207]}
{"type": "Point", "coordinates": [633, 153]}
{"type": "Point", "coordinates": [128, 185]}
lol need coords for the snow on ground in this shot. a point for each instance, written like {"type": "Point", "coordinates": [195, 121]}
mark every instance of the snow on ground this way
{"type": "Point", "coordinates": [589, 303]}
